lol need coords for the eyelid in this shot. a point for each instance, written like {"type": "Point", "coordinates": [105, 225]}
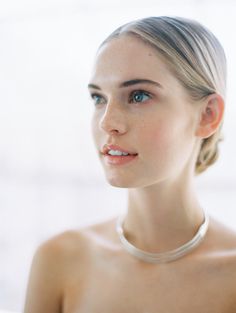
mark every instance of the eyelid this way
{"type": "Point", "coordinates": [141, 90]}
{"type": "Point", "coordinates": [147, 93]}
{"type": "Point", "coordinates": [96, 94]}
{"type": "Point", "coordinates": [93, 94]}
{"type": "Point", "coordinates": [131, 94]}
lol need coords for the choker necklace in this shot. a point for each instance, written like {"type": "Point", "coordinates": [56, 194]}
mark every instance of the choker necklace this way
{"type": "Point", "coordinates": [163, 257]}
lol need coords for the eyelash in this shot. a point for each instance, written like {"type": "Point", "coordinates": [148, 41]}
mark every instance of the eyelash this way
{"type": "Point", "coordinates": [131, 97]}
{"type": "Point", "coordinates": [94, 95]}
{"type": "Point", "coordinates": [135, 92]}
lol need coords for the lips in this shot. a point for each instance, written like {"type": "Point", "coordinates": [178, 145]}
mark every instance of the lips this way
{"type": "Point", "coordinates": [118, 160]}
{"type": "Point", "coordinates": [107, 148]}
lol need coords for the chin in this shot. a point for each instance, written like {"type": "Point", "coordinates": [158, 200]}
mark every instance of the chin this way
{"type": "Point", "coordinates": [120, 182]}
{"type": "Point", "coordinates": [126, 182]}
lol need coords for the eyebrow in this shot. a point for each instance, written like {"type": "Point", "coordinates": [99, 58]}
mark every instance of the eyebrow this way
{"type": "Point", "coordinates": [131, 83]}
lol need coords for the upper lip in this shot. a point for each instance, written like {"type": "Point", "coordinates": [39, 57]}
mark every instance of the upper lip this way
{"type": "Point", "coordinates": [107, 148]}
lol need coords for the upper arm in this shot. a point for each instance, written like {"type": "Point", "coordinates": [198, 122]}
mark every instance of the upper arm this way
{"type": "Point", "coordinates": [44, 290]}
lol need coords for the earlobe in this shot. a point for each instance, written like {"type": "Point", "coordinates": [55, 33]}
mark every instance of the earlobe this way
{"type": "Point", "coordinates": [211, 116]}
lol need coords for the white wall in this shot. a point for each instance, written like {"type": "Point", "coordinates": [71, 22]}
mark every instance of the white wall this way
{"type": "Point", "coordinates": [50, 177]}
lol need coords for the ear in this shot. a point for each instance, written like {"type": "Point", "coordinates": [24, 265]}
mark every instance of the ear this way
{"type": "Point", "coordinates": [211, 116]}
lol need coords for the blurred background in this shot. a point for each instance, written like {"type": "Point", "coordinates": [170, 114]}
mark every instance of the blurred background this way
{"type": "Point", "coordinates": [50, 177]}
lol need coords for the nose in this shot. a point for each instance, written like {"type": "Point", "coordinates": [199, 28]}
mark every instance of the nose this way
{"type": "Point", "coordinates": [113, 120]}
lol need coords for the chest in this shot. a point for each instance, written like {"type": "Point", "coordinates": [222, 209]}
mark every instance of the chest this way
{"type": "Point", "coordinates": [115, 288]}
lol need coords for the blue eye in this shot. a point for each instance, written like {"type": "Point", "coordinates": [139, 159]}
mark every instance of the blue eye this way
{"type": "Point", "coordinates": [139, 96]}
{"type": "Point", "coordinates": [97, 99]}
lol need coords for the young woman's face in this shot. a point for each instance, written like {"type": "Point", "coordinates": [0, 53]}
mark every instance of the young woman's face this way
{"type": "Point", "coordinates": [141, 107]}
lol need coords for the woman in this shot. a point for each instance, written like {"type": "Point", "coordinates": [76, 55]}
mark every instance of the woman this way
{"type": "Point", "coordinates": [158, 88]}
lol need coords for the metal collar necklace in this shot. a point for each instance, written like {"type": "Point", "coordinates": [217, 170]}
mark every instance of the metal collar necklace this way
{"type": "Point", "coordinates": [165, 256]}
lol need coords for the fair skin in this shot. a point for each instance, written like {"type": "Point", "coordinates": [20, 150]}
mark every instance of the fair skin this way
{"type": "Point", "coordinates": [88, 271]}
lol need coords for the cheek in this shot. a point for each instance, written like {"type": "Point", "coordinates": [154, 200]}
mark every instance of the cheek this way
{"type": "Point", "coordinates": [155, 136]}
{"type": "Point", "coordinates": [94, 129]}
{"type": "Point", "coordinates": [164, 139]}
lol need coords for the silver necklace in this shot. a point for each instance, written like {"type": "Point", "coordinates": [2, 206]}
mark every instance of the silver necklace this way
{"type": "Point", "coordinates": [164, 256]}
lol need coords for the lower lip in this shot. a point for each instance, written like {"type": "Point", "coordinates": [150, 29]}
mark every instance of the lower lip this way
{"type": "Point", "coordinates": [119, 160]}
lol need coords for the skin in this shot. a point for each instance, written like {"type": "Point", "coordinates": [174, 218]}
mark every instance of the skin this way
{"type": "Point", "coordinates": [88, 271]}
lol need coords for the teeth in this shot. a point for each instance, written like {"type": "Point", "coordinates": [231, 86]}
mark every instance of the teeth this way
{"type": "Point", "coordinates": [117, 152]}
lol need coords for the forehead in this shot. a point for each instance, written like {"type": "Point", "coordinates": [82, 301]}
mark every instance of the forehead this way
{"type": "Point", "coordinates": [128, 57]}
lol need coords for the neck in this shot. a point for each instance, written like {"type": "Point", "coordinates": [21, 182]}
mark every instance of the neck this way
{"type": "Point", "coordinates": [162, 217]}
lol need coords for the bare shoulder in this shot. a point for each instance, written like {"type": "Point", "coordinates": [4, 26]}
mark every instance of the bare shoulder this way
{"type": "Point", "coordinates": [76, 247]}
{"type": "Point", "coordinates": [63, 245]}
{"type": "Point", "coordinates": [71, 245]}
{"type": "Point", "coordinates": [220, 252]}
{"type": "Point", "coordinates": [220, 245]}
{"type": "Point", "coordinates": [54, 263]}
{"type": "Point", "coordinates": [64, 250]}
{"type": "Point", "coordinates": [221, 237]}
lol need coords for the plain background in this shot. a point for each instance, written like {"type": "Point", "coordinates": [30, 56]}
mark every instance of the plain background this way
{"type": "Point", "coordinates": [50, 177]}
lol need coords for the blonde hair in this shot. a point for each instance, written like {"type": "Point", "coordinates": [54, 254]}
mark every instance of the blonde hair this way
{"type": "Point", "coordinates": [195, 57]}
